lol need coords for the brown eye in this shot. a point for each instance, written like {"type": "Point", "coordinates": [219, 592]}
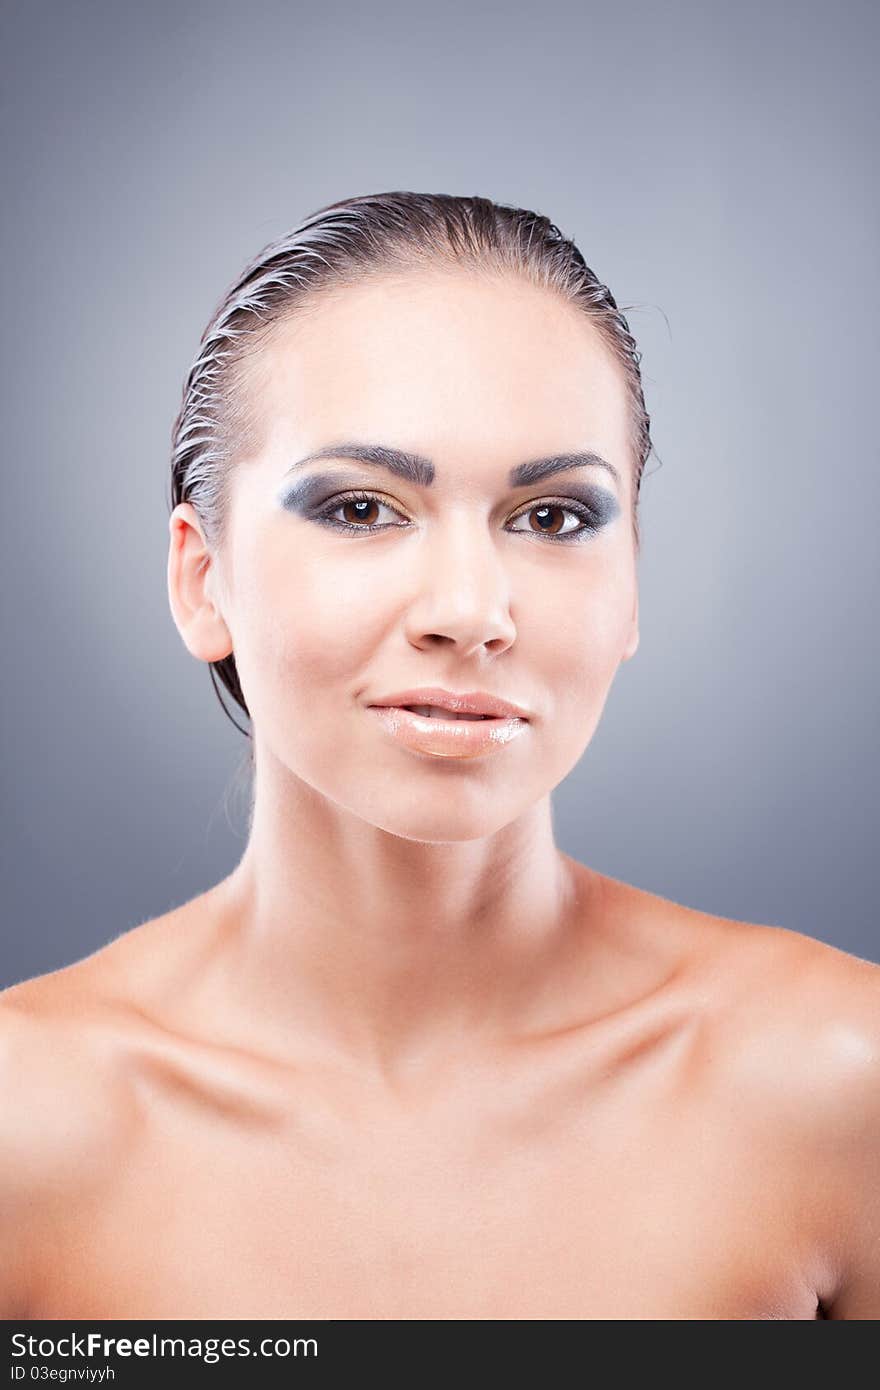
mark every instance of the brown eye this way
{"type": "Point", "coordinates": [359, 511]}
{"type": "Point", "coordinates": [547, 522]}
{"type": "Point", "coordinates": [548, 519]}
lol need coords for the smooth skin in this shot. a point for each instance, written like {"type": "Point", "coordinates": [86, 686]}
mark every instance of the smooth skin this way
{"type": "Point", "coordinates": [410, 1060]}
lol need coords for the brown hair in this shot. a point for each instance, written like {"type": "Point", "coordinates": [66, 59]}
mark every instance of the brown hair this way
{"type": "Point", "coordinates": [343, 244]}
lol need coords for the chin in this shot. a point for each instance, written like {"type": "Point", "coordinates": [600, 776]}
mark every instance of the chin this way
{"type": "Point", "coordinates": [442, 818]}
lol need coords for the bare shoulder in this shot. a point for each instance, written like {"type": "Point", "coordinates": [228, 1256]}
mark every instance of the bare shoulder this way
{"type": "Point", "coordinates": [52, 1118]}
{"type": "Point", "coordinates": [62, 1032]}
{"type": "Point", "coordinates": [56, 1067]}
{"type": "Point", "coordinates": [793, 1041]}
{"type": "Point", "coordinates": [66, 1102]}
{"type": "Point", "coordinates": [768, 980]}
{"type": "Point", "coordinates": [838, 1011]}
{"type": "Point", "coordinates": [822, 1001]}
{"type": "Point", "coordinates": [788, 1017]}
{"type": "Point", "coordinates": [824, 1031]}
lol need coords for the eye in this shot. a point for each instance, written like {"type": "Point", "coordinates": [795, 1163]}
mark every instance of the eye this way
{"type": "Point", "coordinates": [548, 516]}
{"type": "Point", "coordinates": [360, 510]}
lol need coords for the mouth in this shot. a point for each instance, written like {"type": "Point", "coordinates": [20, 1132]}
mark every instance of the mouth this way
{"type": "Point", "coordinates": [441, 733]}
{"type": "Point", "coordinates": [435, 702]}
{"type": "Point", "coordinates": [438, 712]}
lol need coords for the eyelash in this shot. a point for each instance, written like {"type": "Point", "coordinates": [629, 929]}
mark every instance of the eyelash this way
{"type": "Point", "coordinates": [589, 522]}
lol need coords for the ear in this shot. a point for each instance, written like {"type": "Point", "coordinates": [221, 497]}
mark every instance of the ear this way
{"type": "Point", "coordinates": [192, 582]}
{"type": "Point", "coordinates": [632, 641]}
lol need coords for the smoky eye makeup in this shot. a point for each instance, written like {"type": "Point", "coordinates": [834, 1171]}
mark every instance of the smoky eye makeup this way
{"type": "Point", "coordinates": [316, 497]}
{"type": "Point", "coordinates": [305, 496]}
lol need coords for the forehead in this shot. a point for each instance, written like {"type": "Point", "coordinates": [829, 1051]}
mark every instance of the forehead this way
{"type": "Point", "coordinates": [444, 362]}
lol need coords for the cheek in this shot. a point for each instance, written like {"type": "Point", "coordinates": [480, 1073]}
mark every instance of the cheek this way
{"type": "Point", "coordinates": [581, 624]}
{"type": "Point", "coordinates": [596, 623]}
{"type": "Point", "coordinates": [303, 626]}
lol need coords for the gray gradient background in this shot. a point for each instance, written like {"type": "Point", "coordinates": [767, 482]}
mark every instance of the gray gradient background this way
{"type": "Point", "coordinates": [715, 164]}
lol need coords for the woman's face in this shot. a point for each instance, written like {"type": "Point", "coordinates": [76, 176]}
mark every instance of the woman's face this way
{"type": "Point", "coordinates": [466, 583]}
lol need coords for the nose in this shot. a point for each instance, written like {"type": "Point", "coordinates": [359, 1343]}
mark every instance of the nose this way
{"type": "Point", "coordinates": [462, 591]}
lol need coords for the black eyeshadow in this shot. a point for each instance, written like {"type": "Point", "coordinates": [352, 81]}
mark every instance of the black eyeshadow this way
{"type": "Point", "coordinates": [306, 495]}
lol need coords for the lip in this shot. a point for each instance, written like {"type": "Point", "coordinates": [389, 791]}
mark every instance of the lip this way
{"type": "Point", "coordinates": [448, 738]}
{"type": "Point", "coordinates": [463, 702]}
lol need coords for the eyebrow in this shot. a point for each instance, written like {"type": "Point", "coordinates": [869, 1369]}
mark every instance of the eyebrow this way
{"type": "Point", "coordinates": [418, 469]}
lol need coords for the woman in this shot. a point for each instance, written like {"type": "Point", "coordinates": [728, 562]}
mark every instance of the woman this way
{"type": "Point", "coordinates": [410, 1060]}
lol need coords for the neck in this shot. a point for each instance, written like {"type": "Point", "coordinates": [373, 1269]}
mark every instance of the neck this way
{"type": "Point", "coordinates": [356, 943]}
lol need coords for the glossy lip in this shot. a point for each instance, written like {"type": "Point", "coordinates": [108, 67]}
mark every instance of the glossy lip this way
{"type": "Point", "coordinates": [448, 738]}
{"type": "Point", "coordinates": [464, 702]}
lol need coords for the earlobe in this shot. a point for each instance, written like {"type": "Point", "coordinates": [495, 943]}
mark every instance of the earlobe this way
{"type": "Point", "coordinates": [190, 575]}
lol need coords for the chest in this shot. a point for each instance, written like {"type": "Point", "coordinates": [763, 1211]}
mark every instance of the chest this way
{"type": "Point", "coordinates": [558, 1201]}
